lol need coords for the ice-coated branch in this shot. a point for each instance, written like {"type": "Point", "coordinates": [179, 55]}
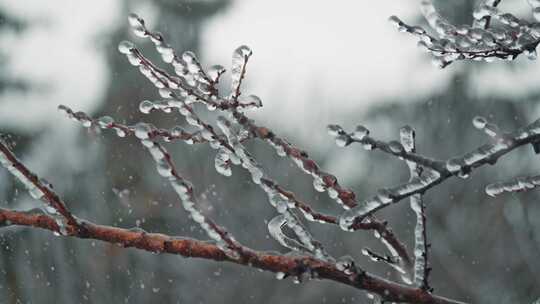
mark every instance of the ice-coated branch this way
{"type": "Point", "coordinates": [191, 79]}
{"type": "Point", "coordinates": [184, 190]}
{"type": "Point", "coordinates": [484, 22]}
{"type": "Point", "coordinates": [460, 166]}
{"type": "Point", "coordinates": [192, 83]}
{"type": "Point", "coordinates": [491, 129]}
{"type": "Point", "coordinates": [518, 184]}
{"type": "Point", "coordinates": [361, 135]}
{"type": "Point", "coordinates": [383, 232]}
{"type": "Point", "coordinates": [283, 204]}
{"type": "Point", "coordinates": [39, 189]}
{"type": "Point", "coordinates": [189, 89]}
{"type": "Point", "coordinates": [480, 41]}
{"type": "Point", "coordinates": [161, 243]}
{"type": "Point", "coordinates": [421, 269]}
{"type": "Point", "coordinates": [323, 181]}
{"type": "Point", "coordinates": [107, 122]}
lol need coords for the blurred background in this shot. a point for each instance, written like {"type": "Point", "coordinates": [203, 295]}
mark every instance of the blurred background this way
{"type": "Point", "coordinates": [314, 63]}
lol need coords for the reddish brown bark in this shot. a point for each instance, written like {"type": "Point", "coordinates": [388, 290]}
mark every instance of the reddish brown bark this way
{"type": "Point", "coordinates": [161, 243]}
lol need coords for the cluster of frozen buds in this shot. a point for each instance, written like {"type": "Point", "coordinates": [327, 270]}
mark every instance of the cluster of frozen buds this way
{"type": "Point", "coordinates": [191, 82]}
{"type": "Point", "coordinates": [480, 41]}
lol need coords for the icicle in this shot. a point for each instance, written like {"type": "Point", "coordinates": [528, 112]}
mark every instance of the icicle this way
{"type": "Point", "coordinates": [420, 245]}
{"type": "Point", "coordinates": [275, 227]}
{"type": "Point", "coordinates": [417, 205]}
{"type": "Point", "coordinates": [239, 60]}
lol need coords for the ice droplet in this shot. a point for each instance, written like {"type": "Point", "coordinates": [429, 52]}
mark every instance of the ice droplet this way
{"type": "Point", "coordinates": [35, 192]}
{"type": "Point", "coordinates": [120, 132]}
{"type": "Point", "coordinates": [395, 147]}
{"type": "Point", "coordinates": [135, 20]}
{"type": "Point", "coordinates": [242, 52]}
{"type": "Point", "coordinates": [453, 165]}
{"type": "Point", "coordinates": [254, 100]}
{"type": "Point", "coordinates": [318, 184]}
{"type": "Point", "coordinates": [125, 47]}
{"type": "Point", "coordinates": [335, 130]}
{"type": "Point", "coordinates": [479, 122]}
{"type": "Point", "coordinates": [346, 264]}
{"type": "Point", "coordinates": [343, 140]}
{"type": "Point", "coordinates": [165, 92]}
{"type": "Point", "coordinates": [146, 106]}
{"type": "Point", "coordinates": [536, 11]}
{"type": "Point", "coordinates": [133, 60]}
{"type": "Point", "coordinates": [164, 169]}
{"type": "Point", "coordinates": [142, 130]}
{"type": "Point", "coordinates": [493, 190]}
{"type": "Point", "coordinates": [137, 25]}
{"type": "Point", "coordinates": [189, 57]}
{"type": "Point", "coordinates": [531, 54]}
{"type": "Point", "coordinates": [105, 121]}
{"type": "Point", "coordinates": [360, 133]}
{"type": "Point", "coordinates": [394, 20]}
{"type": "Point", "coordinates": [214, 72]}
{"type": "Point", "coordinates": [222, 163]}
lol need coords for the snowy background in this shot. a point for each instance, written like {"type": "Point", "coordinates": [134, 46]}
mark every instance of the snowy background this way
{"type": "Point", "coordinates": [314, 63]}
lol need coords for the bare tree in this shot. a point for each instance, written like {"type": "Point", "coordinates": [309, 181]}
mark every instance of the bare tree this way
{"type": "Point", "coordinates": [310, 259]}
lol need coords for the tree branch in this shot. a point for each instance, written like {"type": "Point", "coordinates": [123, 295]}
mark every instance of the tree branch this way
{"type": "Point", "coordinates": [460, 166]}
{"type": "Point", "coordinates": [478, 41]}
{"type": "Point", "coordinates": [292, 265]}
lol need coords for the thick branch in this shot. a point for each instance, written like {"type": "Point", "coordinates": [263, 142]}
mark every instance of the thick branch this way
{"type": "Point", "coordinates": [161, 243]}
